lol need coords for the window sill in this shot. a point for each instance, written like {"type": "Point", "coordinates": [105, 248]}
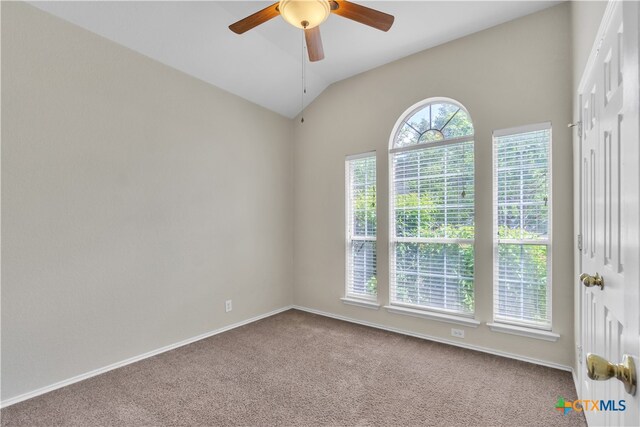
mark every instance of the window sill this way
{"type": "Point", "coordinates": [432, 315]}
{"type": "Point", "coordinates": [361, 303]}
{"type": "Point", "coordinates": [524, 331]}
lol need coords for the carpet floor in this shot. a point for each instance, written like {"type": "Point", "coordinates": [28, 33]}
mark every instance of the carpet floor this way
{"type": "Point", "coordinates": [297, 368]}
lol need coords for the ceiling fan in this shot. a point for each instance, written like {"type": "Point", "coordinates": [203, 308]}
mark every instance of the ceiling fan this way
{"type": "Point", "coordinates": [309, 14]}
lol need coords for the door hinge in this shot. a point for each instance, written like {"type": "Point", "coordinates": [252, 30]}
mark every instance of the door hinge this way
{"type": "Point", "coordinates": [578, 125]}
{"type": "Point", "coordinates": [579, 348]}
{"type": "Point", "coordinates": [580, 242]}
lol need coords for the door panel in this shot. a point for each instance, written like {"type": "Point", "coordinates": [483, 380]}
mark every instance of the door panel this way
{"type": "Point", "coordinates": [610, 193]}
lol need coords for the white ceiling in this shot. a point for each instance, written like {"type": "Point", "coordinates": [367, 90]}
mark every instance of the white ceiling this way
{"type": "Point", "coordinates": [264, 64]}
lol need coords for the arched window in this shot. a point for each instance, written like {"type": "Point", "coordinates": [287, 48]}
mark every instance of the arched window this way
{"type": "Point", "coordinates": [432, 121]}
{"type": "Point", "coordinates": [432, 209]}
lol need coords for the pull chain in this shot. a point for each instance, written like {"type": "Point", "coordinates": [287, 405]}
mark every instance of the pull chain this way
{"type": "Point", "coordinates": [304, 80]}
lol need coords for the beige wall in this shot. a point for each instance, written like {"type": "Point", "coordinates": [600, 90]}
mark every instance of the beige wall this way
{"type": "Point", "coordinates": [135, 201]}
{"type": "Point", "coordinates": [514, 74]}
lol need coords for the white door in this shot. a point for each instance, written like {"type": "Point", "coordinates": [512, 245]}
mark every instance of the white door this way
{"type": "Point", "coordinates": [610, 214]}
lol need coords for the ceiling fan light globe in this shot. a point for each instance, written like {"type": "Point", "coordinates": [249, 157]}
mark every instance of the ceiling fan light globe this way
{"type": "Point", "coordinates": [305, 13]}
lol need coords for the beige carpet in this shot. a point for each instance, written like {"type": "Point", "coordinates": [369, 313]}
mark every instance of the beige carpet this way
{"type": "Point", "coordinates": [297, 368]}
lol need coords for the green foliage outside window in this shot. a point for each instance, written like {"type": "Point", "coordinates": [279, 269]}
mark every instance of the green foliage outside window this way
{"type": "Point", "coordinates": [419, 205]}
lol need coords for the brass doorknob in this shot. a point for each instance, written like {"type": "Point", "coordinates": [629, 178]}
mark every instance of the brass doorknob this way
{"type": "Point", "coordinates": [590, 281]}
{"type": "Point", "coordinates": [600, 369]}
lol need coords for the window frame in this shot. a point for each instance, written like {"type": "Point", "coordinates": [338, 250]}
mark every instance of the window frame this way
{"type": "Point", "coordinates": [351, 298]}
{"type": "Point", "coordinates": [548, 242]}
{"type": "Point", "coordinates": [445, 315]}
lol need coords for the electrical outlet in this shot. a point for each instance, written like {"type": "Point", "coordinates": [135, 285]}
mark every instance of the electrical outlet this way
{"type": "Point", "coordinates": [458, 333]}
{"type": "Point", "coordinates": [228, 306]}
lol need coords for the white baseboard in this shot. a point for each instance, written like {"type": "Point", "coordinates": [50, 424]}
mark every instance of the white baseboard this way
{"type": "Point", "coordinates": [438, 339]}
{"type": "Point", "coordinates": [134, 359]}
{"type": "Point", "coordinates": [93, 373]}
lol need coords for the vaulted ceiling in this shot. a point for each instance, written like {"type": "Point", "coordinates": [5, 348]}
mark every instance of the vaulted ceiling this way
{"type": "Point", "coordinates": [264, 65]}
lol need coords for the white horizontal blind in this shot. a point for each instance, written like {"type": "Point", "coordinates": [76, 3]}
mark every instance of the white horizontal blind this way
{"type": "Point", "coordinates": [522, 206]}
{"type": "Point", "coordinates": [361, 227]}
{"type": "Point", "coordinates": [432, 208]}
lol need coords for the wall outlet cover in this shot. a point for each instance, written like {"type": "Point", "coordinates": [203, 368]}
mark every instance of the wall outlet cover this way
{"type": "Point", "coordinates": [458, 333]}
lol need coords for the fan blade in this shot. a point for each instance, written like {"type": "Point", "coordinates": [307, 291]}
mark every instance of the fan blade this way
{"type": "Point", "coordinates": [314, 44]}
{"type": "Point", "coordinates": [364, 15]}
{"type": "Point", "coordinates": [256, 19]}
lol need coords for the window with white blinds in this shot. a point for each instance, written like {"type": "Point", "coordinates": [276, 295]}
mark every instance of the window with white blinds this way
{"type": "Point", "coordinates": [362, 279]}
{"type": "Point", "coordinates": [522, 226]}
{"type": "Point", "coordinates": [432, 210]}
